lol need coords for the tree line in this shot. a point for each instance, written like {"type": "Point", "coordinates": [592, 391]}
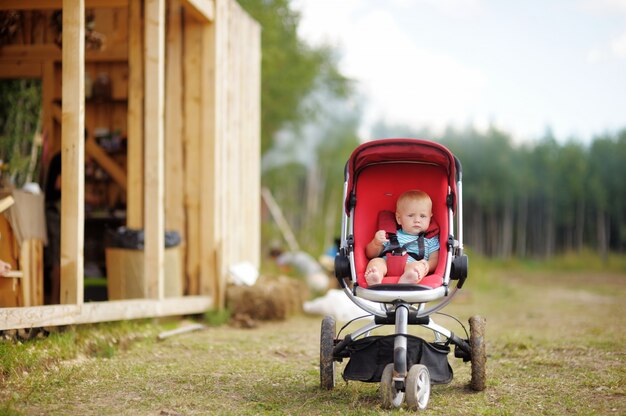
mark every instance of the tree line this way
{"type": "Point", "coordinates": [543, 198]}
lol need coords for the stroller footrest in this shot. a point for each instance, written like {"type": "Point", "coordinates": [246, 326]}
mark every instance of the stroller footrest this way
{"type": "Point", "coordinates": [413, 319]}
{"type": "Point", "coordinates": [396, 293]}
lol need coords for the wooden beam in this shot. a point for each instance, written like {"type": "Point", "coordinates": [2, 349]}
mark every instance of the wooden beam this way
{"type": "Point", "coordinates": [37, 52]}
{"type": "Point", "coordinates": [208, 174]}
{"type": "Point", "coordinates": [51, 52]}
{"type": "Point", "coordinates": [20, 70]}
{"type": "Point", "coordinates": [221, 86]}
{"type": "Point", "coordinates": [192, 138]}
{"type": "Point", "coordinates": [134, 198]}
{"type": "Point", "coordinates": [154, 158]}
{"type": "Point", "coordinates": [40, 316]}
{"type": "Point", "coordinates": [73, 152]}
{"type": "Point", "coordinates": [201, 10]}
{"type": "Point", "coordinates": [5, 203]}
{"type": "Point", "coordinates": [106, 162]}
{"type": "Point", "coordinates": [48, 106]}
{"type": "Point", "coordinates": [174, 118]}
{"type": "Point", "coordinates": [57, 4]}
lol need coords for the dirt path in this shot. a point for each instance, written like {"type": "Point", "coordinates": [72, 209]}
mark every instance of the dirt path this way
{"type": "Point", "coordinates": [556, 346]}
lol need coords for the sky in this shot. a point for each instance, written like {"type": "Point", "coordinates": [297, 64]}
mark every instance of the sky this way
{"type": "Point", "coordinates": [521, 66]}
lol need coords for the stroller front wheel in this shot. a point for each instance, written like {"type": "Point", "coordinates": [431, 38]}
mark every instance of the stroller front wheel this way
{"type": "Point", "coordinates": [390, 396]}
{"type": "Point", "coordinates": [327, 363]}
{"type": "Point", "coordinates": [418, 387]}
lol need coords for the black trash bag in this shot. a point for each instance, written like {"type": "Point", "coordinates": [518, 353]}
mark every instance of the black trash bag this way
{"type": "Point", "coordinates": [370, 355]}
{"type": "Point", "coordinates": [130, 238]}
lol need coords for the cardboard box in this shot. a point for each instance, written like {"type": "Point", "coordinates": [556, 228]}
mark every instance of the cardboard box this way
{"type": "Point", "coordinates": [125, 277]}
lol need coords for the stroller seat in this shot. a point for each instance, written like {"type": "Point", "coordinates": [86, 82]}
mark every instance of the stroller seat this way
{"type": "Point", "coordinates": [377, 189]}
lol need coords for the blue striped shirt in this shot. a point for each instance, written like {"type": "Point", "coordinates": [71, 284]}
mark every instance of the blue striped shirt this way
{"type": "Point", "coordinates": [430, 244]}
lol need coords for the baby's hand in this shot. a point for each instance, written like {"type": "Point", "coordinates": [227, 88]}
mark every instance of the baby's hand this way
{"type": "Point", "coordinates": [380, 237]}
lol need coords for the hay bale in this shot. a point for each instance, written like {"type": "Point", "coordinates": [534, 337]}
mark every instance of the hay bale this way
{"type": "Point", "coordinates": [271, 298]}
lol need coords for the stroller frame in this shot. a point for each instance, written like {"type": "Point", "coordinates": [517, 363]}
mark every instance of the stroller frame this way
{"type": "Point", "coordinates": [402, 305]}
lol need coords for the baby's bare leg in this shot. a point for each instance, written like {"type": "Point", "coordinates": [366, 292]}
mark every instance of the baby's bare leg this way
{"type": "Point", "coordinates": [411, 274]}
{"type": "Point", "coordinates": [375, 271]}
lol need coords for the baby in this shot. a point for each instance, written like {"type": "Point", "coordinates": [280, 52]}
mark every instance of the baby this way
{"type": "Point", "coordinates": [413, 213]}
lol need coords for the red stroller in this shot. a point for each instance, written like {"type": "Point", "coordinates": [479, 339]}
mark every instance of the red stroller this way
{"type": "Point", "coordinates": [405, 365]}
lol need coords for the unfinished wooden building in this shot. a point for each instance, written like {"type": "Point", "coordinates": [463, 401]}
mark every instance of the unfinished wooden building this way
{"type": "Point", "coordinates": [177, 82]}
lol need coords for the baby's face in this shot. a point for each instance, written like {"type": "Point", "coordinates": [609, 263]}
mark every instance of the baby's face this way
{"type": "Point", "coordinates": [414, 216]}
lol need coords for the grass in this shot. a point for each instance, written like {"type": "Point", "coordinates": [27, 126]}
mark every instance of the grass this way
{"type": "Point", "coordinates": [554, 338]}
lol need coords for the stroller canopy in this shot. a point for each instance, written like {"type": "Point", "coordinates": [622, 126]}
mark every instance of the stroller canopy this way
{"type": "Point", "coordinates": [400, 151]}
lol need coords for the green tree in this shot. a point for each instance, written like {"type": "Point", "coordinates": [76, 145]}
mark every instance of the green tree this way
{"type": "Point", "coordinates": [290, 68]}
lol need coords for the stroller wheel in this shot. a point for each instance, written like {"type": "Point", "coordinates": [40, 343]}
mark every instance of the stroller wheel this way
{"type": "Point", "coordinates": [390, 396]}
{"type": "Point", "coordinates": [417, 387]}
{"type": "Point", "coordinates": [479, 353]}
{"type": "Point", "coordinates": [327, 363]}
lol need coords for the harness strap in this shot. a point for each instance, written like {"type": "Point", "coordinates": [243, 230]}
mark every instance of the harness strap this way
{"type": "Point", "coordinates": [421, 251]}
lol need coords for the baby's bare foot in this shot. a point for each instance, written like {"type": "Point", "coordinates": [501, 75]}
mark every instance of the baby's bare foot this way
{"type": "Point", "coordinates": [373, 276]}
{"type": "Point", "coordinates": [410, 276]}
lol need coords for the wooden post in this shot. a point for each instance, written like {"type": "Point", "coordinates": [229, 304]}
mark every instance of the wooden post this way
{"type": "Point", "coordinates": [214, 224]}
{"type": "Point", "coordinates": [174, 119]}
{"type": "Point", "coordinates": [154, 159]}
{"type": "Point", "coordinates": [134, 197]}
{"type": "Point", "coordinates": [73, 152]}
{"type": "Point", "coordinates": [208, 174]}
{"type": "Point", "coordinates": [47, 99]}
{"type": "Point", "coordinates": [174, 165]}
{"type": "Point", "coordinates": [192, 139]}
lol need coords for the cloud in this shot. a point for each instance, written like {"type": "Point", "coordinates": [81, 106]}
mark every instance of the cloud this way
{"type": "Point", "coordinates": [604, 6]}
{"type": "Point", "coordinates": [614, 50]}
{"type": "Point", "coordinates": [449, 8]}
{"type": "Point", "coordinates": [406, 80]}
{"type": "Point", "coordinates": [618, 47]}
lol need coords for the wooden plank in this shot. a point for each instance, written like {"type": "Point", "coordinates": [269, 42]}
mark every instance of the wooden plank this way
{"type": "Point", "coordinates": [208, 174]}
{"type": "Point", "coordinates": [20, 69]}
{"type": "Point", "coordinates": [174, 184]}
{"type": "Point", "coordinates": [253, 137]}
{"type": "Point", "coordinates": [233, 208]}
{"type": "Point", "coordinates": [47, 103]}
{"type": "Point", "coordinates": [106, 162]}
{"type": "Point", "coordinates": [118, 74]}
{"type": "Point", "coordinates": [52, 315]}
{"type": "Point", "coordinates": [153, 161]}
{"type": "Point", "coordinates": [38, 52]}
{"type": "Point", "coordinates": [191, 141]}
{"type": "Point", "coordinates": [10, 295]}
{"type": "Point", "coordinates": [201, 10]}
{"type": "Point", "coordinates": [57, 4]}
{"type": "Point", "coordinates": [27, 274]}
{"type": "Point", "coordinates": [6, 202]}
{"type": "Point", "coordinates": [31, 263]}
{"type": "Point", "coordinates": [51, 52]}
{"type": "Point", "coordinates": [14, 274]}
{"type": "Point", "coordinates": [134, 198]}
{"type": "Point", "coordinates": [125, 275]}
{"type": "Point", "coordinates": [221, 146]}
{"type": "Point", "coordinates": [73, 155]}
